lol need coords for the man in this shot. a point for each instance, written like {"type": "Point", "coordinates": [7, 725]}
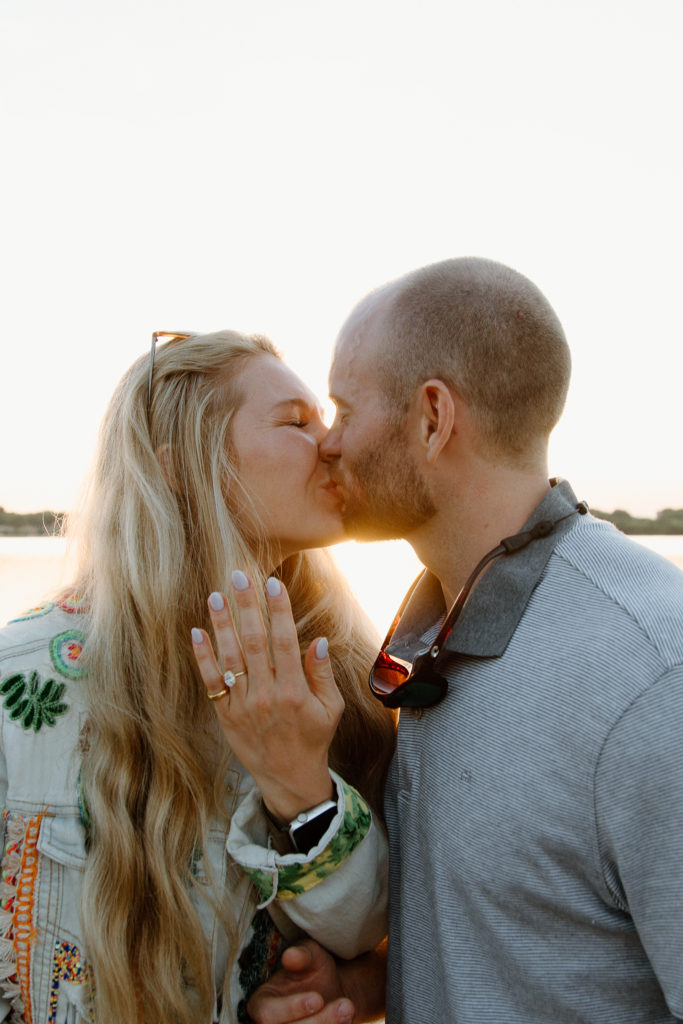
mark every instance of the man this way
{"type": "Point", "coordinates": [535, 802]}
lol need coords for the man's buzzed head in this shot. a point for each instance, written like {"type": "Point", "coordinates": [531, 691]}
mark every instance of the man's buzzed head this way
{"type": "Point", "coordinates": [487, 332]}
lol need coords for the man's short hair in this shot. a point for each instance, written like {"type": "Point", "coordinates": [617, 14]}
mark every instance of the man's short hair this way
{"type": "Point", "coordinates": [487, 332]}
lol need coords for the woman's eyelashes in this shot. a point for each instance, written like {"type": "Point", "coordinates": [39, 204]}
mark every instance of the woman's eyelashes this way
{"type": "Point", "coordinates": [303, 418]}
{"type": "Point", "coordinates": [294, 421]}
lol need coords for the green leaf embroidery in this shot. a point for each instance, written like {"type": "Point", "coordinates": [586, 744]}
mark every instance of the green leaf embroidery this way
{"type": "Point", "coordinates": [32, 702]}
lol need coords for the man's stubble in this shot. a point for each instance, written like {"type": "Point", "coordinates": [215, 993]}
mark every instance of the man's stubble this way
{"type": "Point", "coordinates": [386, 497]}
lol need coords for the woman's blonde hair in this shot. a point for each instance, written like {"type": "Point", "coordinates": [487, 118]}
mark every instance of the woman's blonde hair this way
{"type": "Point", "coordinates": [155, 536]}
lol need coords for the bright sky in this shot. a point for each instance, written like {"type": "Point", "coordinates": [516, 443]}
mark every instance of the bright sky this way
{"type": "Point", "coordinates": [197, 164]}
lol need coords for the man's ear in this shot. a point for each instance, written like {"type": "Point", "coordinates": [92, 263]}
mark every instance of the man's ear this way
{"type": "Point", "coordinates": [165, 460]}
{"type": "Point", "coordinates": [437, 417]}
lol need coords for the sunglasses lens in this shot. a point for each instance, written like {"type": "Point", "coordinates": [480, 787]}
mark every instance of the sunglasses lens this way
{"type": "Point", "coordinates": [423, 693]}
{"type": "Point", "coordinates": [407, 684]}
{"type": "Point", "coordinates": [388, 673]}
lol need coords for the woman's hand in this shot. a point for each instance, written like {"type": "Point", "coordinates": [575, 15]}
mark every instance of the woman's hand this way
{"type": "Point", "coordinates": [278, 722]}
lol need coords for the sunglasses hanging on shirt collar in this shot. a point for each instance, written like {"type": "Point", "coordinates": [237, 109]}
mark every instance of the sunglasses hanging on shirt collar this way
{"type": "Point", "coordinates": [416, 683]}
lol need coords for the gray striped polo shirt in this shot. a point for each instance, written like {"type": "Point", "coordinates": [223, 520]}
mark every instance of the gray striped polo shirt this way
{"type": "Point", "coordinates": [536, 814]}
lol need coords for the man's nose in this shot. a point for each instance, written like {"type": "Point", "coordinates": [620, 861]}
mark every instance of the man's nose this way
{"type": "Point", "coordinates": [329, 445]}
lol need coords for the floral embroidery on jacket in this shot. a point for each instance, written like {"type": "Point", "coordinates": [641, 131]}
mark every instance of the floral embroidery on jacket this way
{"type": "Point", "coordinates": [17, 930]}
{"type": "Point", "coordinates": [66, 651]}
{"type": "Point", "coordinates": [258, 959]}
{"type": "Point", "coordinates": [68, 965]}
{"type": "Point", "coordinates": [35, 612]}
{"type": "Point", "coordinates": [32, 702]}
{"type": "Point", "coordinates": [74, 604]}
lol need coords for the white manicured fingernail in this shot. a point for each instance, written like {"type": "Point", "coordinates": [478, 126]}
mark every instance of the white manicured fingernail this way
{"type": "Point", "coordinates": [345, 1013]}
{"type": "Point", "coordinates": [273, 586]}
{"type": "Point", "coordinates": [239, 580]}
{"type": "Point", "coordinates": [216, 601]}
{"type": "Point", "coordinates": [321, 648]}
{"type": "Point", "coordinates": [197, 637]}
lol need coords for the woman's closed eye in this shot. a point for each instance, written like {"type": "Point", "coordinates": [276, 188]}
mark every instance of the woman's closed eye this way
{"type": "Point", "coordinates": [302, 415]}
{"type": "Point", "coordinates": [293, 421]}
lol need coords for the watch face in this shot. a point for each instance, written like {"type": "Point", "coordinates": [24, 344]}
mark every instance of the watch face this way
{"type": "Point", "coordinates": [309, 834]}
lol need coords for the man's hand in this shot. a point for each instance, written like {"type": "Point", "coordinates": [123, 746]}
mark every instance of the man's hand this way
{"type": "Point", "coordinates": [313, 988]}
{"type": "Point", "coordinates": [307, 988]}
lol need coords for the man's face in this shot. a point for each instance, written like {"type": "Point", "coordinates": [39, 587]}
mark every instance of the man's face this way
{"type": "Point", "coordinates": [381, 488]}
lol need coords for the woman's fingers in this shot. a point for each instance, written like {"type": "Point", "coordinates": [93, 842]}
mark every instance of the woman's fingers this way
{"type": "Point", "coordinates": [253, 639]}
{"type": "Point", "coordinates": [321, 678]}
{"type": "Point", "coordinates": [243, 651]}
{"type": "Point", "coordinates": [227, 641]}
{"type": "Point", "coordinates": [283, 637]}
{"type": "Point", "coordinates": [287, 656]}
{"type": "Point", "coordinates": [248, 651]}
{"type": "Point", "coordinates": [208, 667]}
{"type": "Point", "coordinates": [219, 675]}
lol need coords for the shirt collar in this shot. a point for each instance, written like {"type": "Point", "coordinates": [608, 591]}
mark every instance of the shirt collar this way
{"type": "Point", "coordinates": [497, 601]}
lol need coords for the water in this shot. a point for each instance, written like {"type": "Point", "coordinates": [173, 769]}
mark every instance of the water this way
{"type": "Point", "coordinates": [30, 569]}
{"type": "Point", "coordinates": [33, 567]}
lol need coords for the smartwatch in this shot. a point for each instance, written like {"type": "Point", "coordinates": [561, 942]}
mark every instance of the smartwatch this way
{"type": "Point", "coordinates": [308, 828]}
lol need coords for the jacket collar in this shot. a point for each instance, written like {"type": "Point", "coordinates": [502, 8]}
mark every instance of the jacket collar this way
{"type": "Point", "coordinates": [499, 598]}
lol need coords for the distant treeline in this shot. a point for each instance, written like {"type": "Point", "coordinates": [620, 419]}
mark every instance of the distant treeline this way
{"type": "Point", "coordinates": [46, 524]}
{"type": "Point", "coordinates": [669, 521]}
{"type": "Point", "coordinates": [29, 524]}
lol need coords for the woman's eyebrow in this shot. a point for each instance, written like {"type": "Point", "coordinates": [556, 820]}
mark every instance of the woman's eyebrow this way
{"type": "Point", "coordinates": [288, 404]}
{"type": "Point", "coordinates": [301, 402]}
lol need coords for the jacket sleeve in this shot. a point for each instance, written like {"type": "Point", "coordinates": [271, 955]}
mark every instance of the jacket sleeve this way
{"type": "Point", "coordinates": [337, 892]}
{"type": "Point", "coordinates": [5, 1007]}
{"type": "Point", "coordinates": [639, 806]}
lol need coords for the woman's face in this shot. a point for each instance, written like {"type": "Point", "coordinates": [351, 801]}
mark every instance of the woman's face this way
{"type": "Point", "coordinates": [275, 434]}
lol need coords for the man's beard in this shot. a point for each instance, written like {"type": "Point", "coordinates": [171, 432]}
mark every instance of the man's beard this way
{"type": "Point", "coordinates": [386, 498]}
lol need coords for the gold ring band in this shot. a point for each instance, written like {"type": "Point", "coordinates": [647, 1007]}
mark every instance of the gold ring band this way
{"type": "Point", "coordinates": [218, 694]}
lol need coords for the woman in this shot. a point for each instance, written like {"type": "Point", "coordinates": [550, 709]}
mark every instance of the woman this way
{"type": "Point", "coordinates": [120, 783]}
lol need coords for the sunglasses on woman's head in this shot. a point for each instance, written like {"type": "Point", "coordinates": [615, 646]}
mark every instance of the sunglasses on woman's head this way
{"type": "Point", "coordinates": [170, 336]}
{"type": "Point", "coordinates": [413, 681]}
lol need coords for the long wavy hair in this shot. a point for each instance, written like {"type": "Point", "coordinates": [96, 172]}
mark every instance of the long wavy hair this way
{"type": "Point", "coordinates": [155, 536]}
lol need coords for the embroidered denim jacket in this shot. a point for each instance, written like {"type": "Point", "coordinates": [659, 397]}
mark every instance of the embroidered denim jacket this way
{"type": "Point", "coordinates": [336, 893]}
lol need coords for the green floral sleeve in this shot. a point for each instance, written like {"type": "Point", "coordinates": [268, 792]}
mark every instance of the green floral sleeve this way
{"type": "Point", "coordinates": [295, 876]}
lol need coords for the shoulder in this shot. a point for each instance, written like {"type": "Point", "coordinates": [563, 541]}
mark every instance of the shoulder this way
{"type": "Point", "coordinates": [53, 631]}
{"type": "Point", "coordinates": [42, 698]}
{"type": "Point", "coordinates": [639, 589]}
{"type": "Point", "coordinates": [611, 558]}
